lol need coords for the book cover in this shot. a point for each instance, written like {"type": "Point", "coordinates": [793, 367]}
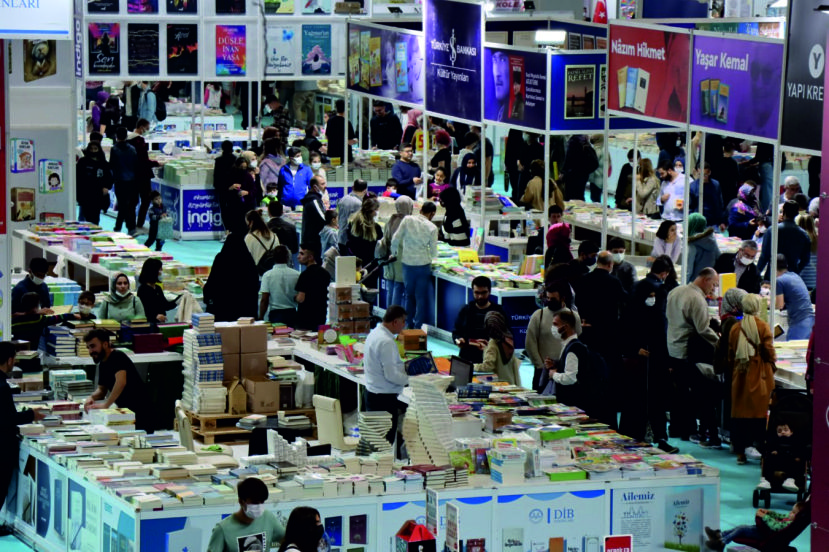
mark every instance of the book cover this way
{"type": "Point", "coordinates": [462, 459]}
{"type": "Point", "coordinates": [557, 544]}
{"type": "Point", "coordinates": [640, 101]}
{"type": "Point", "coordinates": [621, 83]}
{"type": "Point", "coordinates": [318, 7]}
{"type": "Point", "coordinates": [722, 104]}
{"type": "Point", "coordinates": [401, 66]}
{"type": "Point", "coordinates": [683, 520]}
{"type": "Point", "coordinates": [357, 529]}
{"type": "Point", "coordinates": [102, 6]}
{"type": "Point", "coordinates": [353, 57]}
{"type": "Point", "coordinates": [476, 545]}
{"type": "Point", "coordinates": [602, 90]}
{"type": "Point", "coordinates": [517, 93]}
{"type": "Point", "coordinates": [182, 49]}
{"type": "Point", "coordinates": [23, 155]}
{"type": "Point", "coordinates": [281, 56]}
{"type": "Point", "coordinates": [365, 52]}
{"type": "Point", "coordinates": [50, 176]}
{"type": "Point", "coordinates": [601, 43]}
{"type": "Point", "coordinates": [580, 91]}
{"type": "Point", "coordinates": [630, 92]}
{"type": "Point", "coordinates": [588, 42]}
{"type": "Point", "coordinates": [375, 76]}
{"type": "Point", "coordinates": [705, 96]}
{"type": "Point", "coordinates": [715, 96]}
{"type": "Point", "coordinates": [182, 6]}
{"type": "Point", "coordinates": [230, 7]}
{"type": "Point", "coordinates": [104, 51]}
{"type": "Point", "coordinates": [573, 41]}
{"type": "Point", "coordinates": [142, 49]}
{"type": "Point", "coordinates": [231, 52]}
{"type": "Point", "coordinates": [334, 530]}
{"type": "Point", "coordinates": [39, 59]}
{"type": "Point", "coordinates": [279, 7]}
{"type": "Point", "coordinates": [23, 204]}
{"type": "Point", "coordinates": [512, 539]}
{"type": "Point", "coordinates": [142, 6]}
{"type": "Point", "coordinates": [316, 50]}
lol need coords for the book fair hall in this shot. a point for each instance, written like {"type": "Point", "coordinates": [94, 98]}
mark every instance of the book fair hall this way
{"type": "Point", "coordinates": [413, 276]}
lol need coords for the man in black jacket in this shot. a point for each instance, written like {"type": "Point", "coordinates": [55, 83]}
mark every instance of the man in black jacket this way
{"type": "Point", "coordinates": [313, 218]}
{"type": "Point", "coordinates": [386, 130]}
{"type": "Point", "coordinates": [470, 333]}
{"type": "Point", "coordinates": [10, 418]}
{"type": "Point", "coordinates": [222, 176]}
{"type": "Point", "coordinates": [742, 263]}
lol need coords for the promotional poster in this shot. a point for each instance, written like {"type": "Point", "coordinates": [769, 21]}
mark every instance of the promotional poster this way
{"type": "Point", "coordinates": [515, 87]}
{"type": "Point", "coordinates": [386, 62]}
{"type": "Point", "coordinates": [316, 49]}
{"type": "Point", "coordinates": [730, 76]}
{"type": "Point", "coordinates": [181, 6]}
{"type": "Point", "coordinates": [230, 7]}
{"type": "Point", "coordinates": [182, 49]}
{"type": "Point", "coordinates": [453, 59]}
{"type": "Point", "coordinates": [142, 49]}
{"type": "Point", "coordinates": [580, 91]}
{"type": "Point", "coordinates": [805, 64]}
{"type": "Point", "coordinates": [50, 176]}
{"type": "Point", "coordinates": [104, 51]}
{"type": "Point", "coordinates": [281, 50]}
{"type": "Point", "coordinates": [142, 6]}
{"type": "Point", "coordinates": [316, 7]}
{"type": "Point", "coordinates": [648, 73]}
{"type": "Point", "coordinates": [279, 7]}
{"type": "Point", "coordinates": [102, 6]}
{"type": "Point", "coordinates": [231, 52]}
{"type": "Point", "coordinates": [202, 210]}
{"type": "Point", "coordinates": [39, 59]}
{"type": "Point", "coordinates": [579, 104]}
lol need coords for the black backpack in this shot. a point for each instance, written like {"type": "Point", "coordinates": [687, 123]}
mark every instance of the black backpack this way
{"type": "Point", "coordinates": [268, 259]}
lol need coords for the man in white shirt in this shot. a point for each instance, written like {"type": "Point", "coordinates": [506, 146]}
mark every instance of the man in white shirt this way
{"type": "Point", "coordinates": [384, 369]}
{"type": "Point", "coordinates": [416, 244]}
{"type": "Point", "coordinates": [673, 194]}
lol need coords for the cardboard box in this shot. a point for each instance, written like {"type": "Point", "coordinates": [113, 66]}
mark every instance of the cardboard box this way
{"type": "Point", "coordinates": [345, 312]}
{"type": "Point", "coordinates": [496, 420]}
{"type": "Point", "coordinates": [342, 294]}
{"type": "Point", "coordinates": [232, 367]}
{"type": "Point", "coordinates": [254, 339]}
{"type": "Point", "coordinates": [346, 327]}
{"type": "Point", "coordinates": [262, 395]}
{"type": "Point", "coordinates": [413, 340]}
{"type": "Point", "coordinates": [253, 364]}
{"type": "Point", "coordinates": [362, 326]}
{"type": "Point", "coordinates": [231, 339]}
{"type": "Point", "coordinates": [360, 309]}
{"type": "Point", "coordinates": [237, 398]}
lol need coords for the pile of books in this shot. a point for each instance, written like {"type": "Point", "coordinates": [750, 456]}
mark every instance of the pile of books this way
{"type": "Point", "coordinates": [109, 325]}
{"type": "Point", "coordinates": [252, 421]}
{"type": "Point", "coordinates": [78, 390]}
{"type": "Point", "coordinates": [60, 342]}
{"type": "Point", "coordinates": [297, 421]}
{"type": "Point", "coordinates": [114, 418]}
{"type": "Point", "coordinates": [373, 429]}
{"type": "Point", "coordinates": [203, 372]}
{"type": "Point", "coordinates": [204, 322]}
{"type": "Point", "coordinates": [427, 427]}
{"type": "Point", "coordinates": [66, 410]}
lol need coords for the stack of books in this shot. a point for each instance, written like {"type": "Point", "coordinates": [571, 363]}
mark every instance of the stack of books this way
{"type": "Point", "coordinates": [167, 472]}
{"type": "Point", "coordinates": [108, 325]}
{"type": "Point", "coordinates": [373, 428]}
{"type": "Point", "coordinates": [177, 458]}
{"type": "Point", "coordinates": [204, 322]}
{"type": "Point", "coordinates": [60, 342]}
{"type": "Point", "coordinates": [252, 421]}
{"type": "Point", "coordinates": [79, 390]}
{"type": "Point", "coordinates": [114, 418]}
{"type": "Point", "coordinates": [297, 421]}
{"type": "Point", "coordinates": [427, 427]}
{"type": "Point", "coordinates": [203, 372]}
{"type": "Point", "coordinates": [506, 465]}
{"type": "Point", "coordinates": [66, 410]}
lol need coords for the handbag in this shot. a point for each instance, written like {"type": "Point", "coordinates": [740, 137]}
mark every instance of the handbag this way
{"type": "Point", "coordinates": [165, 229]}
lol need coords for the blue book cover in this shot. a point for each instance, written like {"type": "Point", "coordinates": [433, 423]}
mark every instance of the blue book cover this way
{"type": "Point", "coordinates": [630, 91]}
{"type": "Point", "coordinates": [316, 49]}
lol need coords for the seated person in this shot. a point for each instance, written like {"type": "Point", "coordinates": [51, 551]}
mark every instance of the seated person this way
{"type": "Point", "coordinates": [767, 526]}
{"type": "Point", "coordinates": [391, 189]}
{"type": "Point", "coordinates": [29, 323]}
{"type": "Point", "coordinates": [86, 305]}
{"type": "Point", "coordinates": [784, 462]}
{"type": "Point", "coordinates": [499, 354]}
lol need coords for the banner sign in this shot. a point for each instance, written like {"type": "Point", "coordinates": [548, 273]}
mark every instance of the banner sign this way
{"type": "Point", "coordinates": [201, 212]}
{"type": "Point", "coordinates": [580, 104]}
{"type": "Point", "coordinates": [385, 62]}
{"type": "Point", "coordinates": [36, 19]}
{"type": "Point", "coordinates": [453, 59]}
{"type": "Point", "coordinates": [731, 77]}
{"type": "Point", "coordinates": [515, 87]}
{"type": "Point", "coordinates": [648, 72]}
{"type": "Point", "coordinates": [805, 64]}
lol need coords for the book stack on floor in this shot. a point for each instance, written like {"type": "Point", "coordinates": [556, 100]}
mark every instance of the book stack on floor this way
{"type": "Point", "coordinates": [373, 429]}
{"type": "Point", "coordinates": [203, 371]}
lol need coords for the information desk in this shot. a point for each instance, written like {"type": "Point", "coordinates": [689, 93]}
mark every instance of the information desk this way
{"type": "Point", "coordinates": [194, 209]}
{"type": "Point", "coordinates": [60, 511]}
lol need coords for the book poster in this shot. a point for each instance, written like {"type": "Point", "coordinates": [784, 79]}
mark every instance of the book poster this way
{"type": "Point", "coordinates": [182, 49]}
{"type": "Point", "coordinates": [182, 6]}
{"type": "Point", "coordinates": [602, 90]}
{"type": "Point", "coordinates": [573, 41]}
{"type": "Point", "coordinates": [23, 155]}
{"type": "Point", "coordinates": [281, 50]}
{"type": "Point", "coordinates": [102, 6]}
{"type": "Point", "coordinates": [319, 7]}
{"type": "Point", "coordinates": [316, 49]}
{"type": "Point", "coordinates": [279, 7]}
{"type": "Point", "coordinates": [23, 204]}
{"type": "Point", "coordinates": [230, 7]}
{"type": "Point", "coordinates": [39, 61]}
{"type": "Point", "coordinates": [50, 176]}
{"type": "Point", "coordinates": [385, 63]}
{"type": "Point", "coordinates": [142, 49]}
{"type": "Point", "coordinates": [104, 51]}
{"type": "Point", "coordinates": [142, 6]}
{"type": "Point", "coordinates": [580, 92]}
{"type": "Point", "coordinates": [231, 52]}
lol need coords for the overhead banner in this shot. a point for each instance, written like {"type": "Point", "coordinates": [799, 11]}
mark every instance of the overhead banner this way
{"type": "Point", "coordinates": [648, 73]}
{"type": "Point", "coordinates": [731, 77]}
{"type": "Point", "coordinates": [453, 59]}
{"type": "Point", "coordinates": [385, 62]}
{"type": "Point", "coordinates": [515, 87]}
{"type": "Point", "coordinates": [805, 63]}
{"type": "Point", "coordinates": [580, 103]}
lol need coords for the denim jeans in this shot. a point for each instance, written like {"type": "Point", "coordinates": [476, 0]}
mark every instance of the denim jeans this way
{"type": "Point", "coordinates": [801, 329]}
{"type": "Point", "coordinates": [395, 293]}
{"type": "Point", "coordinates": [741, 532]}
{"type": "Point", "coordinates": [419, 294]}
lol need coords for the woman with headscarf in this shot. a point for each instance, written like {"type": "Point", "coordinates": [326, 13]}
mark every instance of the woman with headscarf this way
{"type": "Point", "coordinates": [413, 117]}
{"type": "Point", "coordinates": [752, 354]}
{"type": "Point", "coordinates": [93, 179]}
{"type": "Point", "coordinates": [703, 250]}
{"type": "Point", "coordinates": [468, 173]}
{"type": "Point", "coordinates": [363, 235]}
{"type": "Point", "coordinates": [120, 304]}
{"type": "Point", "coordinates": [151, 294]}
{"type": "Point", "coordinates": [499, 354]}
{"type": "Point", "coordinates": [731, 312]}
{"type": "Point", "coordinates": [743, 215]}
{"type": "Point", "coordinates": [393, 272]}
{"type": "Point", "coordinates": [232, 289]}
{"type": "Point", "coordinates": [455, 229]}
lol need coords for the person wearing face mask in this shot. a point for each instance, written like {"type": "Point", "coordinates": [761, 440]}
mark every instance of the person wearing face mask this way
{"type": "Point", "coordinates": [622, 269]}
{"type": "Point", "coordinates": [541, 346]}
{"type": "Point", "coordinates": [252, 526]}
{"type": "Point", "coordinates": [273, 159]}
{"type": "Point", "coordinates": [583, 263]}
{"type": "Point", "coordinates": [271, 193]}
{"type": "Point", "coordinates": [120, 304]}
{"type": "Point", "coordinates": [304, 532]}
{"type": "Point", "coordinates": [743, 265]}
{"type": "Point", "coordinates": [499, 354]}
{"type": "Point", "coordinates": [731, 312]}
{"type": "Point", "coordinates": [28, 324]}
{"type": "Point", "coordinates": [568, 375]}
{"type": "Point", "coordinates": [703, 250]}
{"type": "Point", "coordinates": [33, 282]}
{"type": "Point", "coordinates": [86, 305]}
{"type": "Point", "coordinates": [294, 179]}
{"type": "Point", "coordinates": [313, 216]}
{"type": "Point", "coordinates": [470, 333]}
{"type": "Point", "coordinates": [363, 234]}
{"type": "Point", "coordinates": [94, 181]}
{"type": "Point", "coordinates": [407, 172]}
{"type": "Point", "coordinates": [152, 296]}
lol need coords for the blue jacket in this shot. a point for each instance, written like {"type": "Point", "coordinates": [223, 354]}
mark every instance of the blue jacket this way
{"type": "Point", "coordinates": [293, 187]}
{"type": "Point", "coordinates": [793, 242]}
{"type": "Point", "coordinates": [712, 204]}
{"type": "Point", "coordinates": [404, 173]}
{"type": "Point", "coordinates": [123, 160]}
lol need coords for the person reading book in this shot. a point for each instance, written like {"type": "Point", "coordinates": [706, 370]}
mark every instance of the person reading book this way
{"type": "Point", "coordinates": [251, 527]}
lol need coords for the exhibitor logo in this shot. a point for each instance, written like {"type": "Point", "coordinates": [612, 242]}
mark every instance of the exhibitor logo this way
{"type": "Point", "coordinates": [817, 60]}
{"type": "Point", "coordinates": [454, 53]}
{"type": "Point", "coordinates": [536, 516]}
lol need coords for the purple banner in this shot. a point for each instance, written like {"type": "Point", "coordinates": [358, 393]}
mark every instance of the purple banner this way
{"type": "Point", "coordinates": [730, 78]}
{"type": "Point", "coordinates": [387, 63]}
{"type": "Point", "coordinates": [453, 59]}
{"type": "Point", "coordinates": [515, 87]}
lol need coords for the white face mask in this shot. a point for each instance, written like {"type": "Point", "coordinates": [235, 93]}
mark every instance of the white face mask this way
{"type": "Point", "coordinates": [746, 260]}
{"type": "Point", "coordinates": [36, 281]}
{"type": "Point", "coordinates": [650, 301]}
{"type": "Point", "coordinates": [272, 194]}
{"type": "Point", "coordinates": [765, 292]}
{"type": "Point", "coordinates": [618, 257]}
{"type": "Point", "coordinates": [253, 164]}
{"type": "Point", "coordinates": [316, 166]}
{"type": "Point", "coordinates": [84, 309]}
{"type": "Point", "coordinates": [556, 334]}
{"type": "Point", "coordinates": [296, 160]}
{"type": "Point", "coordinates": [121, 295]}
{"type": "Point", "coordinates": [254, 511]}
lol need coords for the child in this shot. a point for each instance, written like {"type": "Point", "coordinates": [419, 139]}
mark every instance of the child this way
{"type": "Point", "coordinates": [774, 522]}
{"type": "Point", "coordinates": [329, 233]}
{"type": "Point", "coordinates": [86, 302]}
{"type": "Point", "coordinates": [271, 193]}
{"type": "Point", "coordinates": [157, 212]}
{"type": "Point", "coordinates": [783, 460]}
{"type": "Point", "coordinates": [439, 184]}
{"type": "Point", "coordinates": [29, 324]}
{"type": "Point", "coordinates": [391, 189]}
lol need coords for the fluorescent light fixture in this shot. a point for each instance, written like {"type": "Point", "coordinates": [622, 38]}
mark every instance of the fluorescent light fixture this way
{"type": "Point", "coordinates": [552, 38]}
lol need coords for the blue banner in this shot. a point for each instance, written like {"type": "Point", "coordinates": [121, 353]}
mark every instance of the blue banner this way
{"type": "Point", "coordinates": [580, 102]}
{"type": "Point", "coordinates": [201, 211]}
{"type": "Point", "coordinates": [453, 59]}
{"type": "Point", "coordinates": [515, 87]}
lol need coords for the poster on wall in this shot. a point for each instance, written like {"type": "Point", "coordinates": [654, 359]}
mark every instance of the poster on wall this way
{"type": "Point", "coordinates": [118, 526]}
{"type": "Point", "coordinates": [729, 78]}
{"type": "Point", "coordinates": [316, 49]}
{"type": "Point", "coordinates": [579, 104]}
{"type": "Point", "coordinates": [602, 90]}
{"type": "Point", "coordinates": [230, 7]}
{"type": "Point", "coordinates": [182, 6]}
{"type": "Point", "coordinates": [102, 6]}
{"type": "Point", "coordinates": [23, 204]}
{"type": "Point", "coordinates": [23, 155]}
{"type": "Point", "coordinates": [182, 50]}
{"type": "Point", "coordinates": [26, 486]}
{"type": "Point", "coordinates": [39, 59]}
{"type": "Point", "coordinates": [515, 87]}
{"type": "Point", "coordinates": [281, 50]}
{"type": "Point", "coordinates": [142, 49]}
{"type": "Point", "coordinates": [142, 6]}
{"type": "Point", "coordinates": [580, 91]}
{"type": "Point", "coordinates": [316, 7]}
{"type": "Point", "coordinates": [104, 51]}
{"type": "Point", "coordinates": [51, 499]}
{"type": "Point", "coordinates": [648, 72]}
{"type": "Point", "coordinates": [385, 62]}
{"type": "Point", "coordinates": [453, 59]}
{"type": "Point", "coordinates": [231, 52]}
{"type": "Point", "coordinates": [50, 176]}
{"type": "Point", "coordinates": [279, 7]}
{"type": "Point", "coordinates": [805, 65]}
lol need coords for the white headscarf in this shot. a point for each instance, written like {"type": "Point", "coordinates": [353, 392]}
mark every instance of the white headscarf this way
{"type": "Point", "coordinates": [749, 336]}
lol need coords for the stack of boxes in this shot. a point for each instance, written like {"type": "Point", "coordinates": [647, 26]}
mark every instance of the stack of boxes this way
{"type": "Point", "coordinates": [347, 311]}
{"type": "Point", "coordinates": [245, 353]}
{"type": "Point", "coordinates": [203, 372]}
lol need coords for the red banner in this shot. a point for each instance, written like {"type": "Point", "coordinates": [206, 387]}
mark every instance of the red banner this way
{"type": "Point", "coordinates": [648, 72]}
